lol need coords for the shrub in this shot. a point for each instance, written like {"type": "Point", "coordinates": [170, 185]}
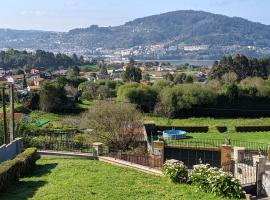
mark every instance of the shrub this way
{"type": "Point", "coordinates": [12, 170]}
{"type": "Point", "coordinates": [222, 129]}
{"type": "Point", "coordinates": [216, 181]}
{"type": "Point", "coordinates": [176, 171]}
{"type": "Point", "coordinates": [224, 184]}
{"type": "Point", "coordinates": [199, 177]}
{"type": "Point", "coordinates": [28, 159]}
{"type": "Point", "coordinates": [252, 128]}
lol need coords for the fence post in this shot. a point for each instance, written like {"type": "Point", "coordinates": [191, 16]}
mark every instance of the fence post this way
{"type": "Point", "coordinates": [268, 153]}
{"type": "Point", "coordinates": [226, 157]}
{"type": "Point", "coordinates": [158, 153]}
{"type": "Point", "coordinates": [259, 161]}
{"type": "Point", "coordinates": [97, 149]}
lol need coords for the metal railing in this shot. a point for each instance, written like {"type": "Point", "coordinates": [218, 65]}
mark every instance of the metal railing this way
{"type": "Point", "coordinates": [65, 146]}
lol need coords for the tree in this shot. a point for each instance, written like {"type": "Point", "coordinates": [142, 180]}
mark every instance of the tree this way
{"type": "Point", "coordinates": [179, 78]}
{"type": "Point", "coordinates": [132, 61]}
{"type": "Point", "coordinates": [52, 96]}
{"type": "Point", "coordinates": [115, 124]}
{"type": "Point", "coordinates": [229, 77]}
{"type": "Point", "coordinates": [146, 77]}
{"type": "Point", "coordinates": [31, 101]}
{"type": "Point", "coordinates": [169, 76]}
{"type": "Point", "coordinates": [132, 74]}
{"type": "Point", "coordinates": [232, 93]}
{"type": "Point", "coordinates": [143, 96]}
{"type": "Point", "coordinates": [103, 70]}
{"type": "Point", "coordinates": [24, 82]}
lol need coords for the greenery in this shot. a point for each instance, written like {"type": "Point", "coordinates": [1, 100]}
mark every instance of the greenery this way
{"type": "Point", "coordinates": [242, 67]}
{"type": "Point", "coordinates": [176, 171]}
{"type": "Point", "coordinates": [132, 74]}
{"type": "Point", "coordinates": [261, 137]}
{"type": "Point", "coordinates": [13, 59]}
{"type": "Point", "coordinates": [52, 97]}
{"type": "Point", "coordinates": [68, 179]}
{"type": "Point", "coordinates": [142, 95]}
{"type": "Point", "coordinates": [12, 170]}
{"type": "Point", "coordinates": [216, 181]}
{"type": "Point", "coordinates": [115, 124]}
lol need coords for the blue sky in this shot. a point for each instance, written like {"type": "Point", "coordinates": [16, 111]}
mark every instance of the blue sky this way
{"type": "Point", "coordinates": [63, 15]}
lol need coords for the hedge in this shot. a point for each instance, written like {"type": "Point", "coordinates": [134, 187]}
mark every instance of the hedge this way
{"type": "Point", "coordinates": [12, 170]}
{"type": "Point", "coordinates": [252, 128]}
{"type": "Point", "coordinates": [222, 129]}
{"type": "Point", "coordinates": [189, 129]}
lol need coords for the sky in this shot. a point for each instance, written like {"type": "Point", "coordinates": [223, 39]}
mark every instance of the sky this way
{"type": "Point", "coordinates": [64, 15]}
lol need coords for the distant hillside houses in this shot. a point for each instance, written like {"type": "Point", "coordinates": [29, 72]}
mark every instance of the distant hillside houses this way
{"type": "Point", "coordinates": [196, 47]}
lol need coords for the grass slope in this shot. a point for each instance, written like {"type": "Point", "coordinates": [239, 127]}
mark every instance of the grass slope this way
{"type": "Point", "coordinates": [67, 179]}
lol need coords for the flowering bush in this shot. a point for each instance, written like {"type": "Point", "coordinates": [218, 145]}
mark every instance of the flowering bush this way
{"type": "Point", "coordinates": [176, 171]}
{"type": "Point", "coordinates": [199, 177]}
{"type": "Point", "coordinates": [216, 181]}
{"type": "Point", "coordinates": [224, 184]}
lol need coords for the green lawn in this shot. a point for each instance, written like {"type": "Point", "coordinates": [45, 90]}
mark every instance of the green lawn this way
{"type": "Point", "coordinates": [263, 137]}
{"type": "Point", "coordinates": [68, 179]}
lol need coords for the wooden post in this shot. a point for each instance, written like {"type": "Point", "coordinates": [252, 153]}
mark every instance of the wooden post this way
{"type": "Point", "coordinates": [6, 141]}
{"type": "Point", "coordinates": [12, 121]}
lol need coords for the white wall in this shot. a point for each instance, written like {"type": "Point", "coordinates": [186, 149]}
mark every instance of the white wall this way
{"type": "Point", "coordinates": [10, 151]}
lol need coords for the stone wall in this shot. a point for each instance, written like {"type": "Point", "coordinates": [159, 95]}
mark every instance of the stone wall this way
{"type": "Point", "coordinates": [10, 151]}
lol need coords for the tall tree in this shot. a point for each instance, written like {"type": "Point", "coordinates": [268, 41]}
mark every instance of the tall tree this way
{"type": "Point", "coordinates": [132, 74]}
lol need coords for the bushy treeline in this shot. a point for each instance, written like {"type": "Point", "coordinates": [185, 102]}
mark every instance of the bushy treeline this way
{"type": "Point", "coordinates": [13, 59]}
{"type": "Point", "coordinates": [242, 67]}
{"type": "Point", "coordinates": [168, 99]}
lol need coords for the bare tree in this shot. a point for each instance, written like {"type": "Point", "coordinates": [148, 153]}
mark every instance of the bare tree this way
{"type": "Point", "coordinates": [117, 125]}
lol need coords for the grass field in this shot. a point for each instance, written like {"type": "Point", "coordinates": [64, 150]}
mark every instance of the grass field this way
{"type": "Point", "coordinates": [263, 137]}
{"type": "Point", "coordinates": [79, 179]}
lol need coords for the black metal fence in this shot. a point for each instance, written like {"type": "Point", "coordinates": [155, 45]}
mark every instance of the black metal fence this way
{"type": "Point", "coordinates": [65, 146]}
{"type": "Point", "coordinates": [141, 157]}
{"type": "Point", "coordinates": [217, 143]}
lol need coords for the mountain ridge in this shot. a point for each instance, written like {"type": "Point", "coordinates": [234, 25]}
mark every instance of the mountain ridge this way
{"type": "Point", "coordinates": [184, 27]}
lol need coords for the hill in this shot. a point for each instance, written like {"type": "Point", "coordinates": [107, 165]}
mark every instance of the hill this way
{"type": "Point", "coordinates": [186, 27]}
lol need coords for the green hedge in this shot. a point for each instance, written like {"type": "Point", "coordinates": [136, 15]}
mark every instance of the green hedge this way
{"type": "Point", "coordinates": [252, 128]}
{"type": "Point", "coordinates": [12, 170]}
{"type": "Point", "coordinates": [222, 129]}
{"type": "Point", "coordinates": [189, 129]}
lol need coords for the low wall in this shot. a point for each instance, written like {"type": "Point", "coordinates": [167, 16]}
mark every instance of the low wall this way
{"type": "Point", "coordinates": [10, 151]}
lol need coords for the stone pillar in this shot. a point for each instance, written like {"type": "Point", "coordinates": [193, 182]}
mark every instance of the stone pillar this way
{"type": "Point", "coordinates": [97, 149]}
{"type": "Point", "coordinates": [266, 181]}
{"type": "Point", "coordinates": [238, 155]}
{"type": "Point", "coordinates": [260, 162]}
{"type": "Point", "coordinates": [158, 155]}
{"type": "Point", "coordinates": [226, 157]}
